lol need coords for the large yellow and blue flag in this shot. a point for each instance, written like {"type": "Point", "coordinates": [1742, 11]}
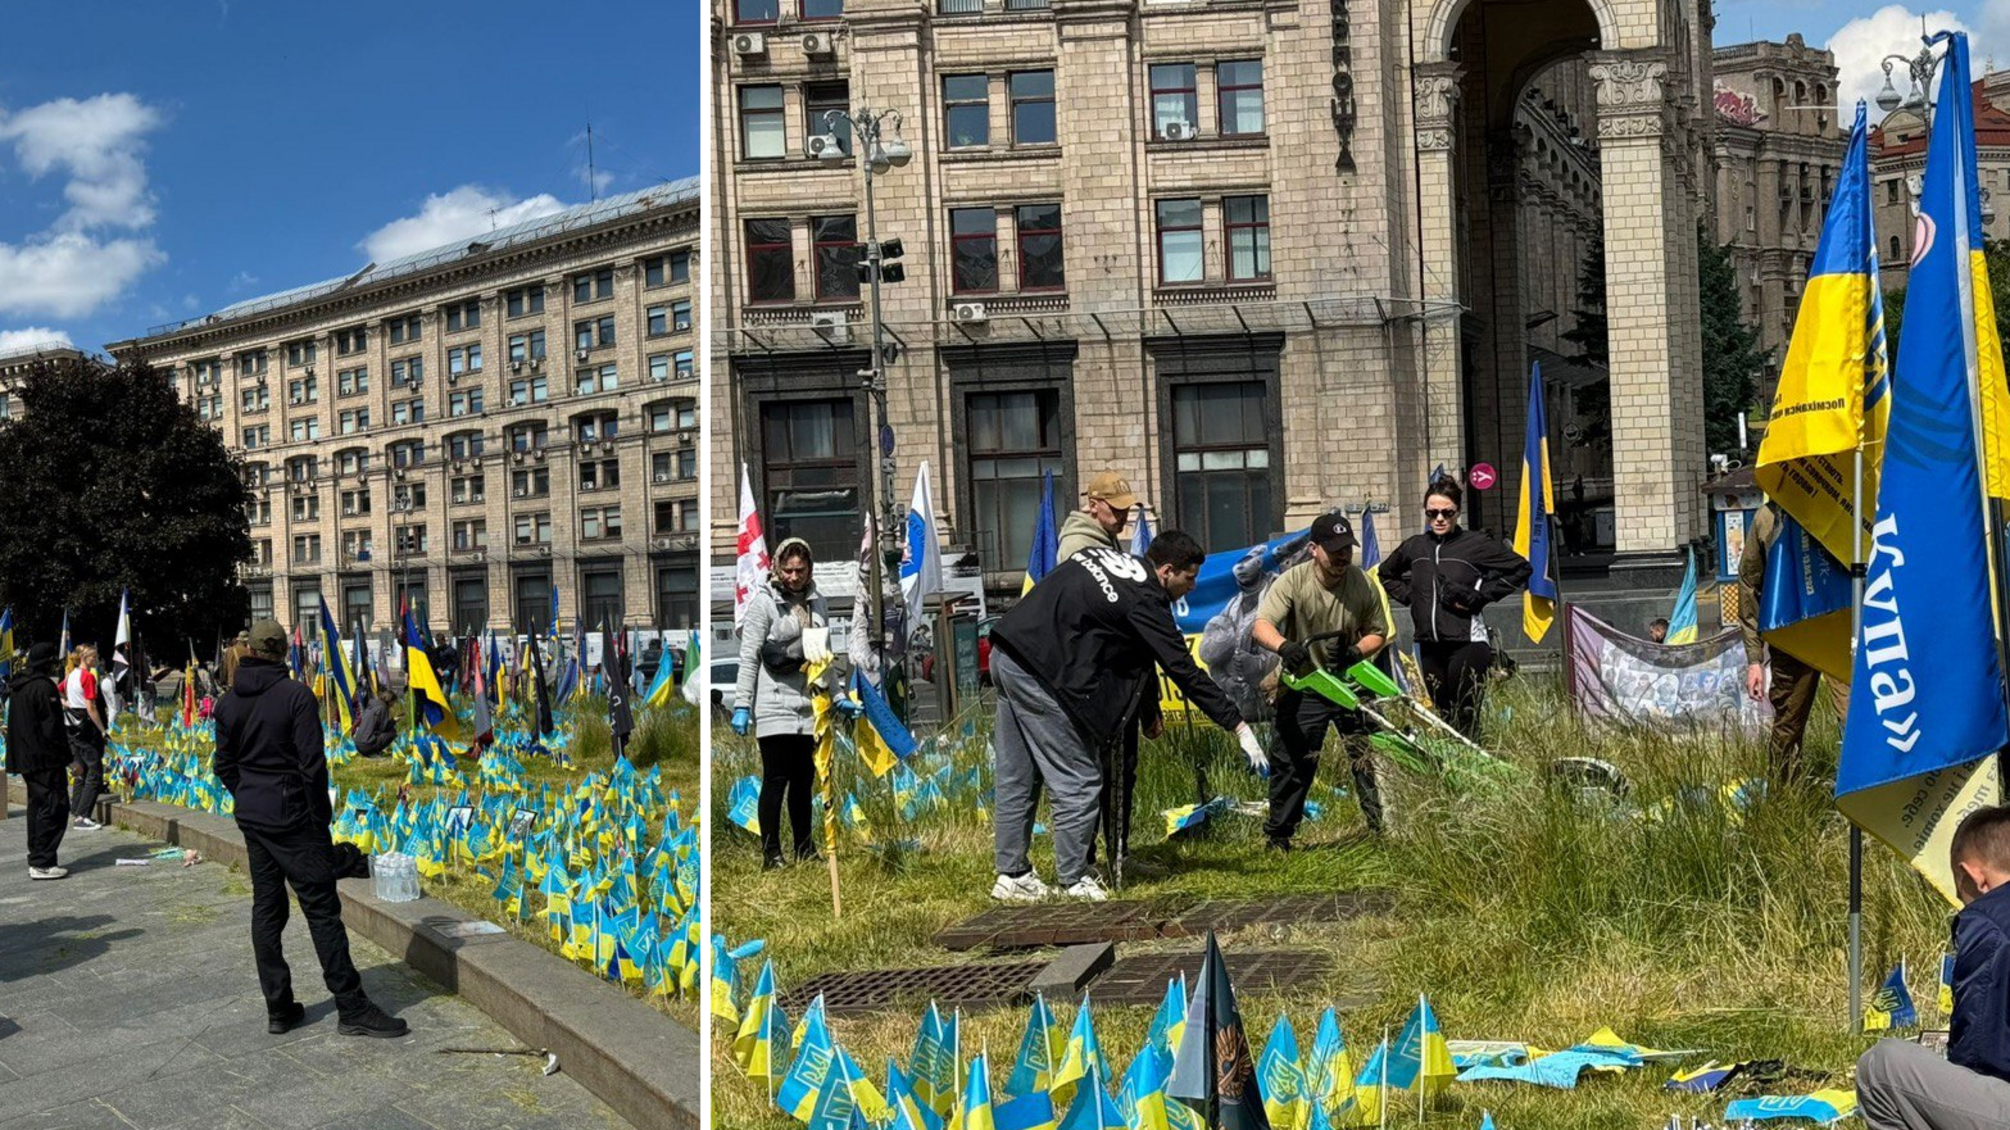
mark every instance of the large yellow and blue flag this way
{"type": "Point", "coordinates": [1080, 1056]}
{"type": "Point", "coordinates": [1682, 621]}
{"type": "Point", "coordinates": [1916, 752]}
{"type": "Point", "coordinates": [804, 1081]}
{"type": "Point", "coordinates": [754, 1042]}
{"type": "Point", "coordinates": [1834, 394]}
{"type": "Point", "coordinates": [1532, 516]}
{"type": "Point", "coordinates": [339, 672]}
{"type": "Point", "coordinates": [432, 706]}
{"type": "Point", "coordinates": [1040, 559]}
{"type": "Point", "coordinates": [1329, 1073]}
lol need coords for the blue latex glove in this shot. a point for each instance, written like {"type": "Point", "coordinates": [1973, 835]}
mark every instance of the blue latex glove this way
{"type": "Point", "coordinates": [743, 721]}
{"type": "Point", "coordinates": [850, 707]}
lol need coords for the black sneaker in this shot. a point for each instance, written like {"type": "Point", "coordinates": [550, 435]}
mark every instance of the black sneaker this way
{"type": "Point", "coordinates": [1277, 843]}
{"type": "Point", "coordinates": [773, 862]}
{"type": "Point", "coordinates": [286, 1019]}
{"type": "Point", "coordinates": [373, 1021]}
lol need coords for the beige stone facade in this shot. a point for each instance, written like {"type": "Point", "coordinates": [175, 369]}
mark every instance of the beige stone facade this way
{"type": "Point", "coordinates": [567, 461]}
{"type": "Point", "coordinates": [1256, 314]}
{"type": "Point", "coordinates": [1898, 161]}
{"type": "Point", "coordinates": [16, 363]}
{"type": "Point", "coordinates": [1779, 152]}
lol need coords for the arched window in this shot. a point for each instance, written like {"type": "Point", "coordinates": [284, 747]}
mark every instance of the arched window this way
{"type": "Point", "coordinates": [352, 461]}
{"type": "Point", "coordinates": [590, 427]}
{"type": "Point", "coordinates": [1894, 249]}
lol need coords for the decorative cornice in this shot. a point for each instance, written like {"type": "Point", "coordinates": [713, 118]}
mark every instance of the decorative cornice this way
{"type": "Point", "coordinates": [1437, 89]}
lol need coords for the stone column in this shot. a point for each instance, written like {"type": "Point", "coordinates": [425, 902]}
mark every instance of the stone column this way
{"type": "Point", "coordinates": [1651, 307]}
{"type": "Point", "coordinates": [1437, 89]}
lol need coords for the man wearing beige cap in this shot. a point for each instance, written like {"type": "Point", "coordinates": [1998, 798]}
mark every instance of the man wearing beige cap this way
{"type": "Point", "coordinates": [1106, 506]}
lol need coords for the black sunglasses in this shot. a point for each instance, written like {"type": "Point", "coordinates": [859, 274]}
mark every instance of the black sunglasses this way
{"type": "Point", "coordinates": [1433, 512]}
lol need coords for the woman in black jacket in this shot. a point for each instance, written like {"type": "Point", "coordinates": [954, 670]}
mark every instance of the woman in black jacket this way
{"type": "Point", "coordinates": [39, 750]}
{"type": "Point", "coordinates": [1447, 576]}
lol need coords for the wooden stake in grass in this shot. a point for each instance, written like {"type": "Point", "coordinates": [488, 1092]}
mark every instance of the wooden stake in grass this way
{"type": "Point", "coordinates": [826, 771]}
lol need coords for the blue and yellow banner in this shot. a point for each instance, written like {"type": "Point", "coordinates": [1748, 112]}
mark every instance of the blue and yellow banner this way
{"type": "Point", "coordinates": [1805, 601]}
{"type": "Point", "coordinates": [1926, 705]}
{"type": "Point", "coordinates": [1532, 529]}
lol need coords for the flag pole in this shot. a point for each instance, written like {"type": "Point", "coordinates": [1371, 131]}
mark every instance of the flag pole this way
{"type": "Point", "coordinates": [1857, 572]}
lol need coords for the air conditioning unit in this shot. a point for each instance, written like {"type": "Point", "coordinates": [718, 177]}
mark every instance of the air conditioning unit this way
{"type": "Point", "coordinates": [819, 43]}
{"type": "Point", "coordinates": [536, 363]}
{"type": "Point", "coordinates": [750, 43]}
{"type": "Point", "coordinates": [660, 477]}
{"type": "Point", "coordinates": [538, 455]}
{"type": "Point", "coordinates": [659, 543]}
{"type": "Point", "coordinates": [583, 354]}
{"type": "Point", "coordinates": [310, 370]}
{"type": "Point", "coordinates": [516, 366]}
{"type": "Point", "coordinates": [969, 312]}
{"type": "Point", "coordinates": [349, 511]}
{"type": "Point", "coordinates": [453, 378]}
{"type": "Point", "coordinates": [516, 457]}
{"type": "Point", "coordinates": [399, 474]}
{"type": "Point", "coordinates": [297, 400]}
{"type": "Point", "coordinates": [607, 447]}
{"type": "Point", "coordinates": [823, 147]}
{"type": "Point", "coordinates": [519, 401]}
{"type": "Point", "coordinates": [460, 466]}
{"type": "Point", "coordinates": [685, 438]}
{"type": "Point", "coordinates": [523, 492]}
{"type": "Point", "coordinates": [1177, 131]}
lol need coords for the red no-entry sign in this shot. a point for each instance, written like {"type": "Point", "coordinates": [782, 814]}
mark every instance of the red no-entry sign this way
{"type": "Point", "coordinates": [1482, 476]}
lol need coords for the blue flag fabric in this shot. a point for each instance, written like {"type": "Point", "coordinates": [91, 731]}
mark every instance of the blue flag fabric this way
{"type": "Point", "coordinates": [1040, 560]}
{"type": "Point", "coordinates": [1215, 586]}
{"type": "Point", "coordinates": [1141, 533]}
{"type": "Point", "coordinates": [1537, 503]}
{"type": "Point", "coordinates": [1370, 554]}
{"type": "Point", "coordinates": [1806, 600]}
{"type": "Point", "coordinates": [1914, 735]}
{"type": "Point", "coordinates": [1682, 621]}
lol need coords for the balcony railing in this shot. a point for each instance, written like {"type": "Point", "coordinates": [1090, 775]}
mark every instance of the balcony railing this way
{"type": "Point", "coordinates": [959, 7]}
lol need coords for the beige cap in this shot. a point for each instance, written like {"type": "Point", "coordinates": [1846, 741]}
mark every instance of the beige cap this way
{"type": "Point", "coordinates": [1111, 488]}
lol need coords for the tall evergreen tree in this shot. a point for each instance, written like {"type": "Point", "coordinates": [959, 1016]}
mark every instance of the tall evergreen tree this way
{"type": "Point", "coordinates": [1590, 335]}
{"type": "Point", "coordinates": [109, 483]}
{"type": "Point", "coordinates": [1732, 358]}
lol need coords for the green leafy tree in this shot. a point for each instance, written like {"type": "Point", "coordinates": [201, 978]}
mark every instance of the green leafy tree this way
{"type": "Point", "coordinates": [108, 482]}
{"type": "Point", "coordinates": [1591, 338]}
{"type": "Point", "coordinates": [1732, 357]}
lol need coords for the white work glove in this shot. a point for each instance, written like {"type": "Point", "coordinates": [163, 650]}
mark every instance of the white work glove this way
{"type": "Point", "coordinates": [816, 645]}
{"type": "Point", "coordinates": [1252, 749]}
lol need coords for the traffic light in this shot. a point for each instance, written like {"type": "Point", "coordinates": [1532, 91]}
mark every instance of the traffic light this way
{"type": "Point", "coordinates": [884, 262]}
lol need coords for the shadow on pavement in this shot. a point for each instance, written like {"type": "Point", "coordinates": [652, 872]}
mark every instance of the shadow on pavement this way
{"type": "Point", "coordinates": [29, 949]}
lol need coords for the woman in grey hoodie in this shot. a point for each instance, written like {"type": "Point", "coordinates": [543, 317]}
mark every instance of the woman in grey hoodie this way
{"type": "Point", "coordinates": [773, 697]}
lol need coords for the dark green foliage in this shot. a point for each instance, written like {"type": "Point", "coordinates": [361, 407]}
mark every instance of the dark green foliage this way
{"type": "Point", "coordinates": [1732, 357]}
{"type": "Point", "coordinates": [1590, 335]}
{"type": "Point", "coordinates": [108, 482]}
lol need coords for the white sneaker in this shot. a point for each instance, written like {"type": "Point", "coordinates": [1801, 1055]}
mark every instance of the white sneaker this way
{"type": "Point", "coordinates": [1088, 887]}
{"type": "Point", "coordinates": [86, 824]}
{"type": "Point", "coordinates": [48, 872]}
{"type": "Point", "coordinates": [1021, 888]}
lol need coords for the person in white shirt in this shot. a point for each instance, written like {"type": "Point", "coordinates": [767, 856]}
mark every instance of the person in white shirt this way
{"type": "Point", "coordinates": [86, 719]}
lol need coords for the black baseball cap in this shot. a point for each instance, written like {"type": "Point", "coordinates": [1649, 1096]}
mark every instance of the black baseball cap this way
{"type": "Point", "coordinates": [1332, 532]}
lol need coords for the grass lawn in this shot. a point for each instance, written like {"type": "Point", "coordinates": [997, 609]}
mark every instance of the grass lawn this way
{"type": "Point", "coordinates": [667, 738]}
{"type": "Point", "coordinates": [1524, 912]}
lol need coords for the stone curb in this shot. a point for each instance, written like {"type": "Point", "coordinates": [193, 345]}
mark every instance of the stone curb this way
{"type": "Point", "coordinates": [633, 1058]}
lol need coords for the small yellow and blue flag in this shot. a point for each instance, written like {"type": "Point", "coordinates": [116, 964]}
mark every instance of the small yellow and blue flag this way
{"type": "Point", "coordinates": [1682, 621]}
{"type": "Point", "coordinates": [976, 1113]}
{"type": "Point", "coordinates": [1946, 985]}
{"type": "Point", "coordinates": [1039, 1052]}
{"type": "Point", "coordinates": [1080, 1055]}
{"type": "Point", "coordinates": [1280, 1076]}
{"type": "Point", "coordinates": [1892, 1007]}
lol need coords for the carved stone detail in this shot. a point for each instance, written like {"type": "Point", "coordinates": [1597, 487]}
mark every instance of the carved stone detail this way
{"type": "Point", "coordinates": [1641, 125]}
{"type": "Point", "coordinates": [1342, 103]}
{"type": "Point", "coordinates": [1629, 82]}
{"type": "Point", "coordinates": [1437, 89]}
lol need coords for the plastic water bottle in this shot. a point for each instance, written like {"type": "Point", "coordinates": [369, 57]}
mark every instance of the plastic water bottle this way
{"type": "Point", "coordinates": [395, 877]}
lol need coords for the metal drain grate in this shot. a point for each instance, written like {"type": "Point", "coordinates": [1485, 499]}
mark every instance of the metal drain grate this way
{"type": "Point", "coordinates": [1142, 980]}
{"type": "Point", "coordinates": [983, 984]}
{"type": "Point", "coordinates": [1072, 924]}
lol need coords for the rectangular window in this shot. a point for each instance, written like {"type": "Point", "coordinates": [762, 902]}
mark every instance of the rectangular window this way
{"type": "Point", "coordinates": [1014, 439]}
{"type": "Point", "coordinates": [464, 316]}
{"type": "Point", "coordinates": [763, 133]}
{"type": "Point", "coordinates": [593, 286]}
{"type": "Point", "coordinates": [1248, 222]}
{"type": "Point", "coordinates": [408, 372]}
{"type": "Point", "coordinates": [468, 403]}
{"type": "Point", "coordinates": [600, 474]}
{"type": "Point", "coordinates": [305, 430]}
{"type": "Point", "coordinates": [771, 261]}
{"type": "Point", "coordinates": [412, 540]}
{"type": "Point", "coordinates": [354, 420]}
{"type": "Point", "coordinates": [464, 489]}
{"type": "Point", "coordinates": [602, 379]}
{"type": "Point", "coordinates": [254, 399]}
{"type": "Point", "coordinates": [1033, 108]}
{"type": "Point", "coordinates": [658, 320]}
{"type": "Point", "coordinates": [1241, 96]}
{"type": "Point", "coordinates": [966, 109]}
{"type": "Point", "coordinates": [820, 100]}
{"type": "Point", "coordinates": [529, 390]}
{"type": "Point", "coordinates": [464, 359]}
{"type": "Point", "coordinates": [1180, 238]}
{"type": "Point", "coordinates": [533, 529]}
{"type": "Point", "coordinates": [837, 256]}
{"type": "Point", "coordinates": [251, 364]}
{"type": "Point", "coordinates": [306, 507]}
{"type": "Point", "coordinates": [1221, 446]}
{"type": "Point", "coordinates": [471, 533]}
{"type": "Point", "coordinates": [659, 366]}
{"type": "Point", "coordinates": [356, 502]}
{"type": "Point", "coordinates": [350, 382]}
{"type": "Point", "coordinates": [530, 484]}
{"type": "Point", "coordinates": [676, 598]}
{"type": "Point", "coordinates": [756, 11]}
{"type": "Point", "coordinates": [593, 333]}
{"type": "Point", "coordinates": [680, 316]}
{"type": "Point", "coordinates": [1039, 228]}
{"type": "Point", "coordinates": [403, 329]}
{"type": "Point", "coordinates": [300, 352]}
{"type": "Point", "coordinates": [307, 549]}
{"type": "Point", "coordinates": [684, 367]}
{"type": "Point", "coordinates": [811, 472]}
{"type": "Point", "coordinates": [1175, 101]}
{"type": "Point", "coordinates": [823, 9]}
{"type": "Point", "coordinates": [526, 347]}
{"type": "Point", "coordinates": [354, 340]}
{"type": "Point", "coordinates": [524, 300]}
{"type": "Point", "coordinates": [408, 411]}
{"type": "Point", "coordinates": [973, 234]}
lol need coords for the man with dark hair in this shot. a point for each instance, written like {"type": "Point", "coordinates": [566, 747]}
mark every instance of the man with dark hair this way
{"type": "Point", "coordinates": [269, 755]}
{"type": "Point", "coordinates": [1069, 661]}
{"type": "Point", "coordinates": [1318, 597]}
{"type": "Point", "coordinates": [38, 749]}
{"type": "Point", "coordinates": [1657, 629]}
{"type": "Point", "coordinates": [1901, 1085]}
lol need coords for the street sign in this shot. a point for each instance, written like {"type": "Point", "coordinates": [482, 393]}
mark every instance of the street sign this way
{"type": "Point", "coordinates": [1482, 476]}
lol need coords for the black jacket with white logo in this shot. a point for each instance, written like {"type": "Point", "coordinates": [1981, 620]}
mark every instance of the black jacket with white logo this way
{"type": "Point", "coordinates": [1446, 581]}
{"type": "Point", "coordinates": [1090, 632]}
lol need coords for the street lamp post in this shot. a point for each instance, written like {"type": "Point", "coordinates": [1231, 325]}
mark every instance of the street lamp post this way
{"type": "Point", "coordinates": [877, 146]}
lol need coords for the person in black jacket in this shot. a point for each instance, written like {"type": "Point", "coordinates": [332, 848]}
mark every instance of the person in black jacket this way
{"type": "Point", "coordinates": [269, 755]}
{"type": "Point", "coordinates": [1069, 662]}
{"type": "Point", "coordinates": [1447, 576]}
{"type": "Point", "coordinates": [38, 748]}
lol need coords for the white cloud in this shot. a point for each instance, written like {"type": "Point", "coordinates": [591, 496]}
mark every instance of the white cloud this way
{"type": "Point", "coordinates": [32, 337]}
{"type": "Point", "coordinates": [69, 275]}
{"type": "Point", "coordinates": [1861, 45]}
{"type": "Point", "coordinates": [98, 143]}
{"type": "Point", "coordinates": [243, 280]}
{"type": "Point", "coordinates": [597, 180]}
{"type": "Point", "coordinates": [462, 213]}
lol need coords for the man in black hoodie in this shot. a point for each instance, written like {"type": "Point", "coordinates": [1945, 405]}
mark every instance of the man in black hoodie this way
{"type": "Point", "coordinates": [38, 748]}
{"type": "Point", "coordinates": [269, 755]}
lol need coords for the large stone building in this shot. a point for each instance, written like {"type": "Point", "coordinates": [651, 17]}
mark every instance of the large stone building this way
{"type": "Point", "coordinates": [1898, 161]}
{"type": "Point", "coordinates": [1779, 152]}
{"type": "Point", "coordinates": [1259, 256]}
{"type": "Point", "coordinates": [15, 363]}
{"type": "Point", "coordinates": [471, 426]}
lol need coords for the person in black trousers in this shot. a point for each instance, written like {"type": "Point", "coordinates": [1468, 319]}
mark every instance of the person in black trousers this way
{"type": "Point", "coordinates": [269, 755]}
{"type": "Point", "coordinates": [1447, 576]}
{"type": "Point", "coordinates": [38, 748]}
{"type": "Point", "coordinates": [785, 632]}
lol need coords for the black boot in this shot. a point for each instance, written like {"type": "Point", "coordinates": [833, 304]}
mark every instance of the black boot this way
{"type": "Point", "coordinates": [372, 1021]}
{"type": "Point", "coordinates": [772, 861]}
{"type": "Point", "coordinates": [286, 1019]}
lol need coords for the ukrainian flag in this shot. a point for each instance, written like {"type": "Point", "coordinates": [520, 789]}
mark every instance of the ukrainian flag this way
{"type": "Point", "coordinates": [1926, 708]}
{"type": "Point", "coordinates": [976, 1113]}
{"type": "Point", "coordinates": [1081, 1056]}
{"type": "Point", "coordinates": [1039, 1052]}
{"type": "Point", "coordinates": [933, 1064]}
{"type": "Point", "coordinates": [338, 670]}
{"type": "Point", "coordinates": [1834, 393]}
{"type": "Point", "coordinates": [1046, 538]}
{"type": "Point", "coordinates": [6, 642]}
{"type": "Point", "coordinates": [1532, 529]}
{"type": "Point", "coordinates": [1892, 1007]}
{"type": "Point", "coordinates": [1280, 1076]}
{"type": "Point", "coordinates": [420, 679]}
{"type": "Point", "coordinates": [1682, 621]}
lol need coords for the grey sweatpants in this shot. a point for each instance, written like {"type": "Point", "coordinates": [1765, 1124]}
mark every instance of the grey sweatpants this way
{"type": "Point", "coordinates": [1902, 1086]}
{"type": "Point", "coordinates": [1033, 743]}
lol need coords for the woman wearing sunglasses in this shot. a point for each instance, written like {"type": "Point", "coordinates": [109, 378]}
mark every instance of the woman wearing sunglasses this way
{"type": "Point", "coordinates": [1446, 576]}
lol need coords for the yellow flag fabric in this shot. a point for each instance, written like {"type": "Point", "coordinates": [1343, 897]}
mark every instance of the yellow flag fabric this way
{"type": "Point", "coordinates": [1995, 393]}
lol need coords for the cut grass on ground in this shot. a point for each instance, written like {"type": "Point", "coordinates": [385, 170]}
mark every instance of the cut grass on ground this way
{"type": "Point", "coordinates": [1523, 911]}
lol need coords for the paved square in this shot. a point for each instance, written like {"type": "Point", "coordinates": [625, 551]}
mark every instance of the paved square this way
{"type": "Point", "coordinates": [128, 1000]}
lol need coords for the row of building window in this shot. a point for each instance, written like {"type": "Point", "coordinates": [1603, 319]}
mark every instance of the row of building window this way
{"type": "Point", "coordinates": [600, 596]}
{"type": "Point", "coordinates": [1029, 98]}
{"type": "Point", "coordinates": [660, 418]}
{"type": "Point", "coordinates": [1035, 234]}
{"type": "Point", "coordinates": [596, 524]}
{"type": "Point", "coordinates": [1223, 485]}
{"type": "Point", "coordinates": [472, 489]}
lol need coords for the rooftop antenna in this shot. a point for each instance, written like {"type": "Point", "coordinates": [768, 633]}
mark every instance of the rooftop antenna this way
{"type": "Point", "coordinates": [592, 181]}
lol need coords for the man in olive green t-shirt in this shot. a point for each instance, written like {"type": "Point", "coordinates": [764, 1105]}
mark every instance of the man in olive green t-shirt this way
{"type": "Point", "coordinates": [1326, 594]}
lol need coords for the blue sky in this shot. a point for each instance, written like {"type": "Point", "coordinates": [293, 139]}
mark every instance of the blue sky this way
{"type": "Point", "coordinates": [1861, 33]}
{"type": "Point", "coordinates": [162, 159]}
